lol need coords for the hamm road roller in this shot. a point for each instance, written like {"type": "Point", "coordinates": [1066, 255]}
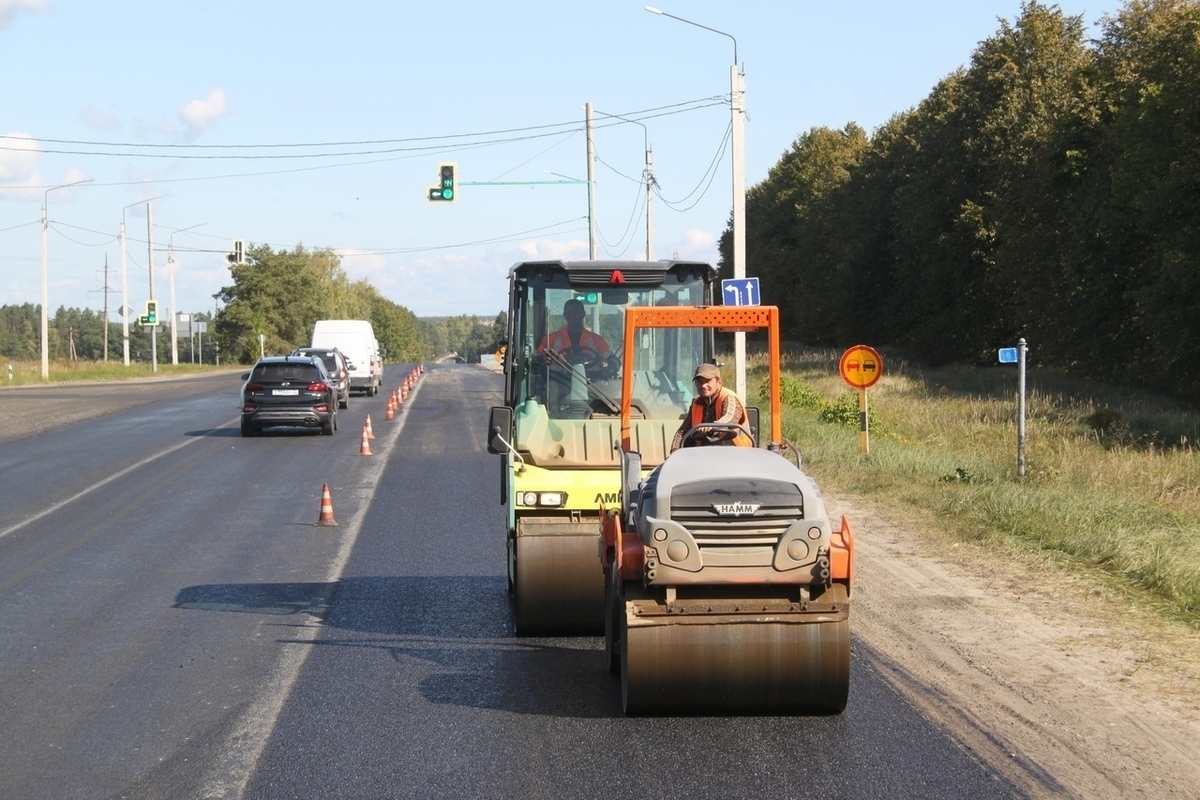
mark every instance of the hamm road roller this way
{"type": "Point", "coordinates": [727, 587]}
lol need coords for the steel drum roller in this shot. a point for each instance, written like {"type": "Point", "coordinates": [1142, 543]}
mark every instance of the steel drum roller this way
{"type": "Point", "coordinates": [738, 663]}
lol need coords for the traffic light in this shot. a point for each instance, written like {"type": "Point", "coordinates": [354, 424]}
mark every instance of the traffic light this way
{"type": "Point", "coordinates": [150, 318]}
{"type": "Point", "coordinates": [446, 189]}
{"type": "Point", "coordinates": [588, 298]}
{"type": "Point", "coordinates": [238, 256]}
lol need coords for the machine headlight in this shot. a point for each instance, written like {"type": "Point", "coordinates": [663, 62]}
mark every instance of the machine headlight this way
{"type": "Point", "coordinates": [543, 499]}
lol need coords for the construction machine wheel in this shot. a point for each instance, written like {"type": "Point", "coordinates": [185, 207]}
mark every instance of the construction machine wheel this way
{"type": "Point", "coordinates": [742, 663]}
{"type": "Point", "coordinates": [558, 585]}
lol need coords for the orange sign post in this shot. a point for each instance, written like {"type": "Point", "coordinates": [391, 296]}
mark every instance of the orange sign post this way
{"type": "Point", "coordinates": [861, 367]}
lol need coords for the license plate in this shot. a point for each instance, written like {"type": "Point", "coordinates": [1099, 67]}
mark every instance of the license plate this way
{"type": "Point", "coordinates": [285, 392]}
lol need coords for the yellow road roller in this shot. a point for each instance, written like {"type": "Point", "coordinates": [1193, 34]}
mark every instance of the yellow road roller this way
{"type": "Point", "coordinates": [558, 428]}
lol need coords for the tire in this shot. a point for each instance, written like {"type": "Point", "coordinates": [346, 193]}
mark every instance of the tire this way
{"type": "Point", "coordinates": [248, 429]}
{"type": "Point", "coordinates": [330, 425]}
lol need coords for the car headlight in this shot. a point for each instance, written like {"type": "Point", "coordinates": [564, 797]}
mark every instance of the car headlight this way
{"type": "Point", "coordinates": [542, 499]}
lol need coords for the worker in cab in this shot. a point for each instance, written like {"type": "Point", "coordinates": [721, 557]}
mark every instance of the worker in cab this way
{"type": "Point", "coordinates": [574, 337]}
{"type": "Point", "coordinates": [716, 405]}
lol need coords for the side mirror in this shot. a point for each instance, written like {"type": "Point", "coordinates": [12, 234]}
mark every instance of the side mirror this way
{"type": "Point", "coordinates": [752, 423]}
{"type": "Point", "coordinates": [500, 423]}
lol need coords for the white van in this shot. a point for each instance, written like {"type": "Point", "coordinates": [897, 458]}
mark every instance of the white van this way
{"type": "Point", "coordinates": [356, 339]}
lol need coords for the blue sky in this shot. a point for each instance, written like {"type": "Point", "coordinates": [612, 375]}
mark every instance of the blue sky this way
{"type": "Point", "coordinates": [322, 124]}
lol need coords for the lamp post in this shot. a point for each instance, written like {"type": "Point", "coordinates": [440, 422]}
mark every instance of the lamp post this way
{"type": "Point", "coordinates": [125, 280]}
{"type": "Point", "coordinates": [648, 177]}
{"type": "Point", "coordinates": [171, 276]}
{"type": "Point", "coordinates": [45, 278]}
{"type": "Point", "coordinates": [737, 104]}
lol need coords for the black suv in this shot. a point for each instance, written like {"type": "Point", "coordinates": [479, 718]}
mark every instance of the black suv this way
{"type": "Point", "coordinates": [288, 390]}
{"type": "Point", "coordinates": [338, 367]}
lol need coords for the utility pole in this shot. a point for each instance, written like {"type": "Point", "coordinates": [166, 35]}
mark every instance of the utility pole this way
{"type": "Point", "coordinates": [150, 264]}
{"type": "Point", "coordinates": [106, 308]}
{"type": "Point", "coordinates": [737, 81]}
{"type": "Point", "coordinates": [649, 203]}
{"type": "Point", "coordinates": [591, 179]}
{"type": "Point", "coordinates": [648, 177]}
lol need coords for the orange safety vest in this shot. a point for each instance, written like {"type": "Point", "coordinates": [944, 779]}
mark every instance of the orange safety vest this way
{"type": "Point", "coordinates": [696, 415]}
{"type": "Point", "coordinates": [560, 340]}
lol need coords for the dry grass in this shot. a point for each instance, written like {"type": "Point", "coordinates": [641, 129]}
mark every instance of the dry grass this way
{"type": "Point", "coordinates": [1112, 481]}
{"type": "Point", "coordinates": [25, 373]}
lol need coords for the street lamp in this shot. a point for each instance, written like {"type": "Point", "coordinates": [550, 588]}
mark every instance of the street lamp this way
{"type": "Point", "coordinates": [45, 278]}
{"type": "Point", "coordinates": [125, 280]}
{"type": "Point", "coordinates": [648, 176]}
{"type": "Point", "coordinates": [737, 104]}
{"type": "Point", "coordinates": [171, 275]}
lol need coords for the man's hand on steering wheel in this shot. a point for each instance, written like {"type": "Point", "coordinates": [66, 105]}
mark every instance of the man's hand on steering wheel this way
{"type": "Point", "coordinates": [713, 433]}
{"type": "Point", "coordinates": [594, 364]}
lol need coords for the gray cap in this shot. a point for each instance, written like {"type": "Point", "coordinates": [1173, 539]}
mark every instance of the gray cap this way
{"type": "Point", "coordinates": [707, 372]}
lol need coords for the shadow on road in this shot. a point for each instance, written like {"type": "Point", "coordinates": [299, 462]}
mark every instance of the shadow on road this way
{"type": "Point", "coordinates": [451, 635]}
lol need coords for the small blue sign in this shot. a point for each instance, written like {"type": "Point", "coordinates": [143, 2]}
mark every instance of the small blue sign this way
{"type": "Point", "coordinates": [740, 292]}
{"type": "Point", "coordinates": [1008, 355]}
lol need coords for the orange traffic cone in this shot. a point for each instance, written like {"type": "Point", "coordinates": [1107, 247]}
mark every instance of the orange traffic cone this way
{"type": "Point", "coordinates": [391, 409]}
{"type": "Point", "coordinates": [370, 430]}
{"type": "Point", "coordinates": [365, 450]}
{"type": "Point", "coordinates": [326, 517]}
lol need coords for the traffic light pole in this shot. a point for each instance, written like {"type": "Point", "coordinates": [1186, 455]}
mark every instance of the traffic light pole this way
{"type": "Point", "coordinates": [150, 263]}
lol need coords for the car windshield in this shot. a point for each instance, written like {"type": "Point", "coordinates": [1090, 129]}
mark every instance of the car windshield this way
{"type": "Point", "coordinates": [285, 372]}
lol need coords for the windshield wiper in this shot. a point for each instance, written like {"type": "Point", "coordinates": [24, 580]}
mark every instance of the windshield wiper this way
{"type": "Point", "coordinates": [558, 359]}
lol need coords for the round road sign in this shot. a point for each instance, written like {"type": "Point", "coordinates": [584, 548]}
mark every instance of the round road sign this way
{"type": "Point", "coordinates": [860, 366]}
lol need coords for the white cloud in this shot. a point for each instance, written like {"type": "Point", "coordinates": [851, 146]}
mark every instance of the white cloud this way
{"type": "Point", "coordinates": [19, 167]}
{"type": "Point", "coordinates": [95, 118]}
{"type": "Point", "coordinates": [546, 249]}
{"type": "Point", "coordinates": [10, 8]}
{"type": "Point", "coordinates": [199, 114]}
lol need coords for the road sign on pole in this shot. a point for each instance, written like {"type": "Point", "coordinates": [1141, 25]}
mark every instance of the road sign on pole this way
{"type": "Point", "coordinates": [740, 292]}
{"type": "Point", "coordinates": [861, 367]}
{"type": "Point", "coordinates": [1016, 355]}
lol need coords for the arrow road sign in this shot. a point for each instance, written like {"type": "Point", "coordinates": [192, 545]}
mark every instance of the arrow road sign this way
{"type": "Point", "coordinates": [740, 292]}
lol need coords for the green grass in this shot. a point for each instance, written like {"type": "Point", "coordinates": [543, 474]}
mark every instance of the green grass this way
{"type": "Point", "coordinates": [1112, 483]}
{"type": "Point", "coordinates": [26, 373]}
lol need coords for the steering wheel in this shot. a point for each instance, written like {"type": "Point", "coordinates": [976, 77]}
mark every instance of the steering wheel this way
{"type": "Point", "coordinates": [594, 364]}
{"type": "Point", "coordinates": [714, 433]}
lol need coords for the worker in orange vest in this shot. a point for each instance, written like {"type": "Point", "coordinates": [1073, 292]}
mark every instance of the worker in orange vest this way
{"type": "Point", "coordinates": [574, 335]}
{"type": "Point", "coordinates": [716, 404]}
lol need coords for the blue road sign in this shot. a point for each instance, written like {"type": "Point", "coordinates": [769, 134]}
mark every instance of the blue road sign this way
{"type": "Point", "coordinates": [740, 292]}
{"type": "Point", "coordinates": [1008, 355]}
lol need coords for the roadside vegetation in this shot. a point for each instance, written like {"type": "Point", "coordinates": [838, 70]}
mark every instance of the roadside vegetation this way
{"type": "Point", "coordinates": [26, 373]}
{"type": "Point", "coordinates": [1112, 483]}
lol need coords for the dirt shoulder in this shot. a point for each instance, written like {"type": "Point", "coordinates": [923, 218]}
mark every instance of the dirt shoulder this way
{"type": "Point", "coordinates": [1046, 676]}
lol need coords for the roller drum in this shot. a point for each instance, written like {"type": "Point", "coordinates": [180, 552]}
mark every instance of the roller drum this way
{"type": "Point", "coordinates": [736, 663]}
{"type": "Point", "coordinates": [558, 587]}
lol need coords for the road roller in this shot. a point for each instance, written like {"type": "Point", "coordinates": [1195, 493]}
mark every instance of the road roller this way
{"type": "Point", "coordinates": [557, 432]}
{"type": "Point", "coordinates": [727, 586]}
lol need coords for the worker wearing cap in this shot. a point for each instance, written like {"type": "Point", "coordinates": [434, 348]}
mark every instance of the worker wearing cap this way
{"type": "Point", "coordinates": [716, 404]}
{"type": "Point", "coordinates": [574, 335]}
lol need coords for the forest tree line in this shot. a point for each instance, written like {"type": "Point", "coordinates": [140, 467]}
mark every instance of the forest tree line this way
{"type": "Point", "coordinates": [1049, 190]}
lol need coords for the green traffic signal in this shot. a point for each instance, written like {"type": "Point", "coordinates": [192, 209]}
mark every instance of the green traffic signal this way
{"type": "Point", "coordinates": [444, 191]}
{"type": "Point", "coordinates": [151, 315]}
